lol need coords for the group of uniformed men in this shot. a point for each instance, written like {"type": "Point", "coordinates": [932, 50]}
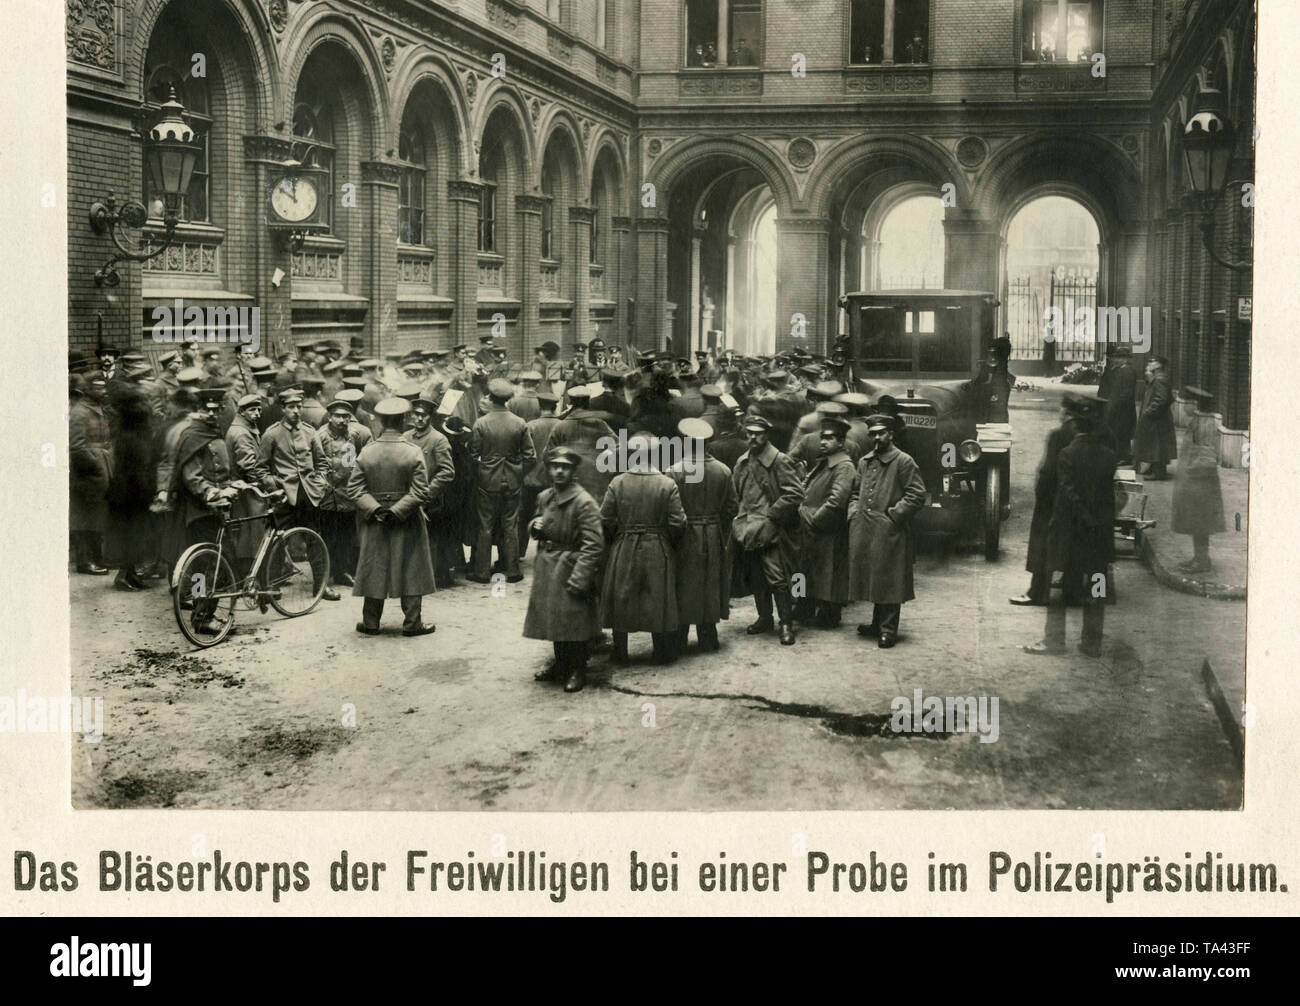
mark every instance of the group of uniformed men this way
{"type": "Point", "coordinates": [802, 498]}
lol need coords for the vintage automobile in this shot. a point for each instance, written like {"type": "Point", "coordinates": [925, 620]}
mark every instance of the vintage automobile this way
{"type": "Point", "coordinates": [929, 351]}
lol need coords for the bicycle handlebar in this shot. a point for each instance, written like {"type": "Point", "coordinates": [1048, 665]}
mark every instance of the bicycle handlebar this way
{"type": "Point", "coordinates": [240, 486]}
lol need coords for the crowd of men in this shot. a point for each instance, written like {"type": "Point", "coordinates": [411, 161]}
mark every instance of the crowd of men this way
{"type": "Point", "coordinates": [797, 495]}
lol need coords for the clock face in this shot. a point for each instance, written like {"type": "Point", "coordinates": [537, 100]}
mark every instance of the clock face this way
{"type": "Point", "coordinates": [294, 199]}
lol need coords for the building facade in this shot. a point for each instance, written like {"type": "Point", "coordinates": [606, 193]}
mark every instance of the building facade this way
{"type": "Point", "coordinates": [662, 172]}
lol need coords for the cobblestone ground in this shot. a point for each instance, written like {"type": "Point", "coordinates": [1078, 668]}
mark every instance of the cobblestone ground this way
{"type": "Point", "coordinates": [454, 721]}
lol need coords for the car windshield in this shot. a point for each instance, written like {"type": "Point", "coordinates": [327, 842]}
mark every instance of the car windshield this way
{"type": "Point", "coordinates": [941, 337]}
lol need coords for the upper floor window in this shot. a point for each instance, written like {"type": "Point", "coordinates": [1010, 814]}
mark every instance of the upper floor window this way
{"type": "Point", "coordinates": [167, 69]}
{"type": "Point", "coordinates": [724, 32]}
{"type": "Point", "coordinates": [548, 213]}
{"type": "Point", "coordinates": [313, 135]}
{"type": "Point", "coordinates": [889, 31]}
{"type": "Point", "coordinates": [488, 169]}
{"type": "Point", "coordinates": [411, 188]}
{"type": "Point", "coordinates": [1061, 31]}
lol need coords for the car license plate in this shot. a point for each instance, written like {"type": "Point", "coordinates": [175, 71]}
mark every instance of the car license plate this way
{"type": "Point", "coordinates": [923, 422]}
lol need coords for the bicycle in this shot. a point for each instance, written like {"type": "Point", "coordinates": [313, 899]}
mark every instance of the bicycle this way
{"type": "Point", "coordinates": [289, 572]}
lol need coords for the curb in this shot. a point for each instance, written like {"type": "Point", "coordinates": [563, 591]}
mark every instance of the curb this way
{"type": "Point", "coordinates": [1228, 720]}
{"type": "Point", "coordinates": [1186, 584]}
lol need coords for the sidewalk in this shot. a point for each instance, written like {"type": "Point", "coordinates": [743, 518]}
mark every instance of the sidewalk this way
{"type": "Point", "coordinates": [1163, 551]}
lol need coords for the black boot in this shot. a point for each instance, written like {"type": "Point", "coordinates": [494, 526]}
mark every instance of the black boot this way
{"type": "Point", "coordinates": [763, 602]}
{"type": "Point", "coordinates": [708, 637]}
{"type": "Point", "coordinates": [785, 611]}
{"type": "Point", "coordinates": [619, 656]}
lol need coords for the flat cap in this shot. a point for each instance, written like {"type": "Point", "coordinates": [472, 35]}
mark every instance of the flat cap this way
{"type": "Point", "coordinates": [292, 393]}
{"type": "Point", "coordinates": [548, 397]}
{"type": "Point", "coordinates": [825, 389]}
{"type": "Point", "coordinates": [880, 421]}
{"type": "Point", "coordinates": [369, 364]}
{"type": "Point", "coordinates": [499, 387]}
{"type": "Point", "coordinates": [247, 400]}
{"type": "Point", "coordinates": [695, 429]}
{"type": "Point", "coordinates": [757, 424]}
{"type": "Point", "coordinates": [190, 375]}
{"type": "Point", "coordinates": [581, 391]}
{"type": "Point", "coordinates": [711, 391]}
{"type": "Point", "coordinates": [341, 405]}
{"type": "Point", "coordinates": [834, 424]}
{"type": "Point", "coordinates": [854, 399]}
{"type": "Point", "coordinates": [393, 407]}
{"type": "Point", "coordinates": [832, 409]}
{"type": "Point", "coordinates": [168, 357]}
{"type": "Point", "coordinates": [350, 395]}
{"type": "Point", "coordinates": [563, 456]}
{"type": "Point", "coordinates": [410, 390]}
{"type": "Point", "coordinates": [209, 396]}
{"type": "Point", "coordinates": [355, 382]}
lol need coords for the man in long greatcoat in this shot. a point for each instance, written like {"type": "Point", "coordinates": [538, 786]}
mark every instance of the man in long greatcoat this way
{"type": "Point", "coordinates": [704, 556]}
{"type": "Point", "coordinates": [1036, 564]}
{"type": "Point", "coordinates": [887, 493]}
{"type": "Point", "coordinates": [388, 485]}
{"type": "Point", "coordinates": [1118, 388]}
{"type": "Point", "coordinates": [765, 531]}
{"type": "Point", "coordinates": [643, 517]}
{"type": "Point", "coordinates": [824, 517]}
{"type": "Point", "coordinates": [90, 451]}
{"type": "Point", "coordinates": [502, 449]}
{"type": "Point", "coordinates": [537, 476]}
{"type": "Point", "coordinates": [1081, 536]}
{"type": "Point", "coordinates": [562, 605]}
{"type": "Point", "coordinates": [586, 432]}
{"type": "Point", "coordinates": [1154, 443]}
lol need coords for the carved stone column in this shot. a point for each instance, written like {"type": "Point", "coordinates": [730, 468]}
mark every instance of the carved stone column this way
{"type": "Point", "coordinates": [380, 179]}
{"type": "Point", "coordinates": [580, 220]}
{"type": "Point", "coordinates": [651, 282]}
{"type": "Point", "coordinates": [264, 252]}
{"type": "Point", "coordinates": [529, 209]}
{"type": "Point", "coordinates": [801, 282]}
{"type": "Point", "coordinates": [618, 276]}
{"type": "Point", "coordinates": [463, 203]}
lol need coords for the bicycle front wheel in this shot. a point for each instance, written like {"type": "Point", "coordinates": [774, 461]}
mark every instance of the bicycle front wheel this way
{"type": "Point", "coordinates": [204, 596]}
{"type": "Point", "coordinates": [297, 571]}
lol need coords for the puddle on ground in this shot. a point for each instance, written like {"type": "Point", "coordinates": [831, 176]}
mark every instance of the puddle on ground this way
{"type": "Point", "coordinates": [442, 671]}
{"type": "Point", "coordinates": [157, 790]}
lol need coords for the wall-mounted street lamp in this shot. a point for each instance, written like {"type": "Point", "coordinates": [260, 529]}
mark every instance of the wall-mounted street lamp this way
{"type": "Point", "coordinates": [170, 152]}
{"type": "Point", "coordinates": [1208, 139]}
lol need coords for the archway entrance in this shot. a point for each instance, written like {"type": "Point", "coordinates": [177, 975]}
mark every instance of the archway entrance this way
{"type": "Point", "coordinates": [1053, 271]}
{"type": "Point", "coordinates": [909, 243]}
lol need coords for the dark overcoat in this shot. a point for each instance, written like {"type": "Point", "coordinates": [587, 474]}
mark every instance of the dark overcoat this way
{"type": "Point", "coordinates": [824, 516]}
{"type": "Point", "coordinates": [1045, 499]}
{"type": "Point", "coordinates": [90, 452]}
{"type": "Point", "coordinates": [394, 559]}
{"type": "Point", "coordinates": [769, 490]}
{"type": "Point", "coordinates": [244, 445]}
{"type": "Point", "coordinates": [1119, 388]}
{"type": "Point", "coordinates": [704, 555]}
{"type": "Point", "coordinates": [562, 605]}
{"type": "Point", "coordinates": [581, 430]}
{"type": "Point", "coordinates": [1081, 536]}
{"type": "Point", "coordinates": [887, 493]}
{"type": "Point", "coordinates": [1155, 440]}
{"type": "Point", "coordinates": [643, 516]}
{"type": "Point", "coordinates": [1198, 500]}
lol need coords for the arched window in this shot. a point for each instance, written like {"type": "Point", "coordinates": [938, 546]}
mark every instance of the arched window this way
{"type": "Point", "coordinates": [489, 168]}
{"type": "Point", "coordinates": [724, 32]}
{"type": "Point", "coordinates": [411, 188]}
{"type": "Point", "coordinates": [168, 69]}
{"type": "Point", "coordinates": [313, 134]}
{"type": "Point", "coordinates": [548, 212]}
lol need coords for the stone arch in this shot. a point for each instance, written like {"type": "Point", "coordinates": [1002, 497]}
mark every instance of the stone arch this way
{"type": "Point", "coordinates": [875, 217]}
{"type": "Point", "coordinates": [428, 67]}
{"type": "Point", "coordinates": [1090, 164]}
{"type": "Point", "coordinates": [931, 161]}
{"type": "Point", "coordinates": [684, 155]}
{"type": "Point", "coordinates": [606, 144]}
{"type": "Point", "coordinates": [561, 120]}
{"type": "Point", "coordinates": [327, 26]}
{"type": "Point", "coordinates": [497, 94]}
{"type": "Point", "coordinates": [255, 37]}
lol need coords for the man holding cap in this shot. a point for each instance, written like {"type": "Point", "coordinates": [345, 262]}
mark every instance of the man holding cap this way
{"type": "Point", "coordinates": [824, 515]}
{"type": "Point", "coordinates": [703, 559]}
{"type": "Point", "coordinates": [387, 485]}
{"type": "Point", "coordinates": [887, 492]}
{"type": "Point", "coordinates": [340, 441]}
{"type": "Point", "coordinates": [768, 493]}
{"type": "Point", "coordinates": [502, 449]}
{"type": "Point", "coordinates": [570, 546]}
